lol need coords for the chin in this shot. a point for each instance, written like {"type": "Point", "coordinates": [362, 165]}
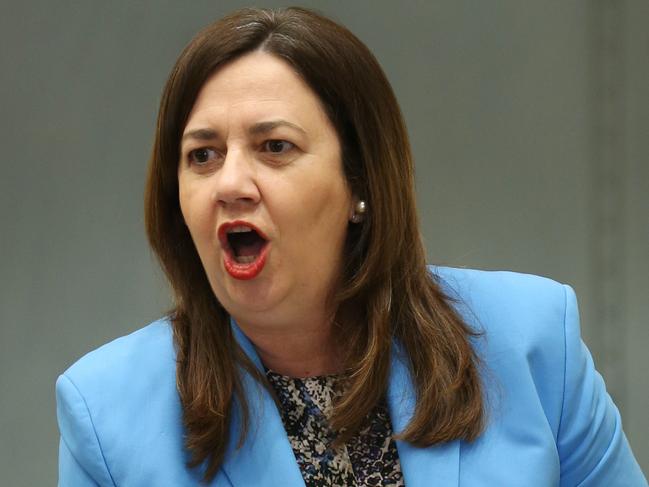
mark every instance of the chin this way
{"type": "Point", "coordinates": [244, 297]}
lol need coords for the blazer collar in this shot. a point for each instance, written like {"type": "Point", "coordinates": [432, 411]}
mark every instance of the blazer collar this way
{"type": "Point", "coordinates": [266, 458]}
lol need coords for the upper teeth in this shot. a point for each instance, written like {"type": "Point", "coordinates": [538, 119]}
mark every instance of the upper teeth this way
{"type": "Point", "coordinates": [239, 229]}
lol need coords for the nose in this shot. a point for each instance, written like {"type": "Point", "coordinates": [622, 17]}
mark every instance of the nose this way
{"type": "Point", "coordinates": [236, 183]}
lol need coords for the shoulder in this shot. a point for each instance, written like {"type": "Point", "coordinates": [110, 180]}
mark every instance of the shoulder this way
{"type": "Point", "coordinates": [523, 323]}
{"type": "Point", "coordinates": [547, 403]}
{"type": "Point", "coordinates": [511, 309]}
{"type": "Point", "coordinates": [124, 373]}
{"type": "Point", "coordinates": [488, 289]}
{"type": "Point", "coordinates": [120, 402]}
{"type": "Point", "coordinates": [139, 355]}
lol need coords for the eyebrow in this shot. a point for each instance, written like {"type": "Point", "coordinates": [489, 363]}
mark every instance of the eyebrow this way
{"type": "Point", "coordinates": [265, 127]}
{"type": "Point", "coordinates": [256, 129]}
{"type": "Point", "coordinates": [201, 134]}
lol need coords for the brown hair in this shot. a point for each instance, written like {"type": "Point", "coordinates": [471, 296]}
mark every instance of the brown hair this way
{"type": "Point", "coordinates": [387, 292]}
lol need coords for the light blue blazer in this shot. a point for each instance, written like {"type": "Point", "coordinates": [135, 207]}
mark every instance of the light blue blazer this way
{"type": "Point", "coordinates": [550, 420]}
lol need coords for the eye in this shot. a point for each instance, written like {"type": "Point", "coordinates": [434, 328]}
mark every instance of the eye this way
{"type": "Point", "coordinates": [277, 146]}
{"type": "Point", "coordinates": [201, 156]}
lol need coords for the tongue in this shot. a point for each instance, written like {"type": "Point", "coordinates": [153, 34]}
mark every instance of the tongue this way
{"type": "Point", "coordinates": [248, 249]}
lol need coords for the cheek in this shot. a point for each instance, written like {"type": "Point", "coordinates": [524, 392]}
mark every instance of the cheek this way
{"type": "Point", "coordinates": [320, 217]}
{"type": "Point", "coordinates": [184, 200]}
{"type": "Point", "coordinates": [196, 213]}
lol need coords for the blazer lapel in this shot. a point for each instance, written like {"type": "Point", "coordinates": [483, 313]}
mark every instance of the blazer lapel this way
{"type": "Point", "coordinates": [266, 458]}
{"type": "Point", "coordinates": [422, 467]}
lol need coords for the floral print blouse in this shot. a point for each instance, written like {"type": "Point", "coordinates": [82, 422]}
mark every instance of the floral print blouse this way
{"type": "Point", "coordinates": [369, 459]}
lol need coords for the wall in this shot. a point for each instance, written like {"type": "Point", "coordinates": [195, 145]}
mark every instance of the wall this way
{"type": "Point", "coordinates": [528, 121]}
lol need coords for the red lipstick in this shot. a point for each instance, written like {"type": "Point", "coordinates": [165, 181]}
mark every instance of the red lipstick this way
{"type": "Point", "coordinates": [245, 249]}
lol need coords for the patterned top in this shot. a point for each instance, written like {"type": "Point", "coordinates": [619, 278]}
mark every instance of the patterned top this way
{"type": "Point", "coordinates": [370, 458]}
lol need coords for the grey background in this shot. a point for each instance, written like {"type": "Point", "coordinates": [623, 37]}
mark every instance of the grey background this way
{"type": "Point", "coordinates": [529, 122]}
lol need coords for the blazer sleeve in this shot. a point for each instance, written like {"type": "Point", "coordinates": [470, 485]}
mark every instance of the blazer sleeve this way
{"type": "Point", "coordinates": [592, 446]}
{"type": "Point", "coordinates": [81, 461]}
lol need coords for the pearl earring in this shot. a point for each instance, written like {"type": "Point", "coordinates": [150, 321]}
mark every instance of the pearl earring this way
{"type": "Point", "coordinates": [359, 212]}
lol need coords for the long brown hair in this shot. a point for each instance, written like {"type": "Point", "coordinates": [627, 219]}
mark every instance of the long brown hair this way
{"type": "Point", "coordinates": [386, 294]}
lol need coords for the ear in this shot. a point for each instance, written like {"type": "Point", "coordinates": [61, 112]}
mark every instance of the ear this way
{"type": "Point", "coordinates": [358, 210]}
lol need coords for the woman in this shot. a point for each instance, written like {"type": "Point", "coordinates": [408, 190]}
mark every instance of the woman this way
{"type": "Point", "coordinates": [309, 343]}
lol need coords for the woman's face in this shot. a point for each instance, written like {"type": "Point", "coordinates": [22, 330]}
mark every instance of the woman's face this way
{"type": "Point", "coordinates": [263, 193]}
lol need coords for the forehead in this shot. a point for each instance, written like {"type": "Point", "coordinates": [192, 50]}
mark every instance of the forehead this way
{"type": "Point", "coordinates": [257, 85]}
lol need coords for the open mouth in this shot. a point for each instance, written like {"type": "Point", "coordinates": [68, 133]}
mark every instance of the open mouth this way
{"type": "Point", "coordinates": [246, 248]}
{"type": "Point", "coordinates": [245, 244]}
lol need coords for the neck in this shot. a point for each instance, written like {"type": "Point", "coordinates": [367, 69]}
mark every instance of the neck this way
{"type": "Point", "coordinates": [305, 352]}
